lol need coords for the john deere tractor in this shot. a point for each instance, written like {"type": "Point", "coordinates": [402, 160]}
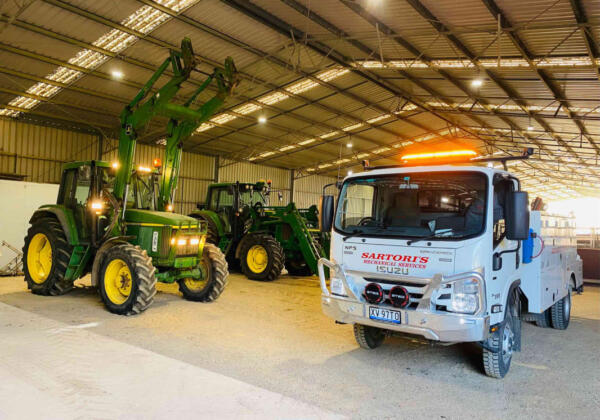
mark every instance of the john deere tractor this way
{"type": "Point", "coordinates": [115, 221]}
{"type": "Point", "coordinates": [260, 237]}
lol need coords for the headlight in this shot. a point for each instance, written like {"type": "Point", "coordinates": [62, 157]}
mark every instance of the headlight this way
{"type": "Point", "coordinates": [194, 241]}
{"type": "Point", "coordinates": [461, 296]}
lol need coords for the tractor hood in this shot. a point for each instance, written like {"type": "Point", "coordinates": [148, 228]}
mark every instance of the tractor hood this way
{"type": "Point", "coordinates": [136, 216]}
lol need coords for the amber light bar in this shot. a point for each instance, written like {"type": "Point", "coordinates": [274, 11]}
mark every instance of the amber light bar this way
{"type": "Point", "coordinates": [439, 155]}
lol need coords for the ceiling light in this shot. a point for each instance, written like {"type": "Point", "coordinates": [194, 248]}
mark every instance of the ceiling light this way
{"type": "Point", "coordinates": [529, 128]}
{"type": "Point", "coordinates": [262, 120]}
{"type": "Point", "coordinates": [476, 82]}
{"type": "Point", "coordinates": [350, 172]}
{"type": "Point", "coordinates": [117, 74]}
{"type": "Point", "coordinates": [349, 145]}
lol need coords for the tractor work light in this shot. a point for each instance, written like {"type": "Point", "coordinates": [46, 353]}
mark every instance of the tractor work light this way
{"type": "Point", "coordinates": [115, 165]}
{"type": "Point", "coordinates": [194, 241]}
{"type": "Point", "coordinates": [169, 207]}
{"type": "Point", "coordinates": [182, 242]}
{"type": "Point", "coordinates": [97, 206]}
{"type": "Point", "coordinates": [157, 163]}
{"type": "Point", "coordinates": [144, 169]}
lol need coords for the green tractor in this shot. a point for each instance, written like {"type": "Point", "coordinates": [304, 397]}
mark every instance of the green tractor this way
{"type": "Point", "coordinates": [262, 238]}
{"type": "Point", "coordinates": [115, 221]}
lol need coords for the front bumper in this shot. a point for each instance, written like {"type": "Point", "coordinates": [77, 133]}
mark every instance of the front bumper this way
{"type": "Point", "coordinates": [436, 326]}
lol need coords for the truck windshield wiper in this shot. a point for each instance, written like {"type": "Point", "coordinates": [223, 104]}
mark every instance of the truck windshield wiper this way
{"type": "Point", "coordinates": [355, 232]}
{"type": "Point", "coordinates": [437, 234]}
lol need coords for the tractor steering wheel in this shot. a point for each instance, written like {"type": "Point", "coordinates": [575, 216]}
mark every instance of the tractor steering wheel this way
{"type": "Point", "coordinates": [365, 220]}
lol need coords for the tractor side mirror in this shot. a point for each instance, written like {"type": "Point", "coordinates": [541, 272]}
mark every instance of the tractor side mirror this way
{"type": "Point", "coordinates": [517, 215]}
{"type": "Point", "coordinates": [280, 195]}
{"type": "Point", "coordinates": [200, 206]}
{"type": "Point", "coordinates": [326, 213]}
{"type": "Point", "coordinates": [497, 262]}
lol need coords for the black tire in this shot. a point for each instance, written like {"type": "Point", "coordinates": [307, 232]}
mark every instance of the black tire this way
{"type": "Point", "coordinates": [544, 320]}
{"type": "Point", "coordinates": [218, 276]}
{"type": "Point", "coordinates": [368, 337]}
{"type": "Point", "coordinates": [212, 233]}
{"type": "Point", "coordinates": [561, 312]}
{"type": "Point", "coordinates": [496, 359]}
{"type": "Point", "coordinates": [275, 258]}
{"type": "Point", "coordinates": [298, 268]}
{"type": "Point", "coordinates": [54, 282]}
{"type": "Point", "coordinates": [142, 281]}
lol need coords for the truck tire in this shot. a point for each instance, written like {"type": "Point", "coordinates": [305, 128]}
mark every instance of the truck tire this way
{"type": "Point", "coordinates": [498, 354]}
{"type": "Point", "coordinates": [544, 320]}
{"type": "Point", "coordinates": [46, 256]}
{"type": "Point", "coordinates": [561, 312]}
{"type": "Point", "coordinates": [127, 283]}
{"type": "Point", "coordinates": [209, 289]}
{"type": "Point", "coordinates": [261, 257]}
{"type": "Point", "coordinates": [368, 337]}
{"type": "Point", "coordinates": [298, 268]}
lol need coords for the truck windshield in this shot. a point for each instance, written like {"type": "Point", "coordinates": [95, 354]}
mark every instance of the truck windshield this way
{"type": "Point", "coordinates": [413, 205]}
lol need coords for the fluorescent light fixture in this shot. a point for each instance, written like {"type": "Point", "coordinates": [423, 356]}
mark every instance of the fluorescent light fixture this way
{"type": "Point", "coordinates": [117, 74]}
{"type": "Point", "coordinates": [476, 82]}
{"type": "Point", "coordinates": [352, 127]}
{"type": "Point", "coordinates": [307, 141]}
{"type": "Point", "coordinates": [350, 172]}
{"type": "Point", "coordinates": [349, 145]}
{"type": "Point", "coordinates": [262, 119]}
{"type": "Point", "coordinates": [286, 148]}
{"type": "Point", "coordinates": [247, 108]}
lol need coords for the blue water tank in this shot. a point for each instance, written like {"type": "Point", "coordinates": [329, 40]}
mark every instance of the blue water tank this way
{"type": "Point", "coordinates": [528, 247]}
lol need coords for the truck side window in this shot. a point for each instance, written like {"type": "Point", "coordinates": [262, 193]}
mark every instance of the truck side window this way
{"type": "Point", "coordinates": [500, 191]}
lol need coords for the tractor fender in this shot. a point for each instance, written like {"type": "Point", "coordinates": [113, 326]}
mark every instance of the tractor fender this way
{"type": "Point", "coordinates": [212, 216]}
{"type": "Point", "coordinates": [99, 257]}
{"type": "Point", "coordinates": [64, 217]}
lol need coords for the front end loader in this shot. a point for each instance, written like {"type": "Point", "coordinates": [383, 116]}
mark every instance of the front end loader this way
{"type": "Point", "coordinates": [112, 219]}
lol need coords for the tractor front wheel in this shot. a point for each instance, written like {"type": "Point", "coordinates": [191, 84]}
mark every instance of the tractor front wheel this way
{"type": "Point", "coordinates": [261, 257]}
{"type": "Point", "coordinates": [46, 255]}
{"type": "Point", "coordinates": [127, 282]}
{"type": "Point", "coordinates": [209, 288]}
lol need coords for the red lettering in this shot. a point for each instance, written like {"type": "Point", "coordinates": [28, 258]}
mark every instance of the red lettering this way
{"type": "Point", "coordinates": [397, 257]}
{"type": "Point", "coordinates": [406, 258]}
{"type": "Point", "coordinates": [365, 255]}
{"type": "Point", "coordinates": [423, 260]}
{"type": "Point", "coordinates": [380, 256]}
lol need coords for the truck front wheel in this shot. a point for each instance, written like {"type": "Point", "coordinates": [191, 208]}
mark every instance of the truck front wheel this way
{"type": "Point", "coordinates": [498, 353]}
{"type": "Point", "coordinates": [368, 337]}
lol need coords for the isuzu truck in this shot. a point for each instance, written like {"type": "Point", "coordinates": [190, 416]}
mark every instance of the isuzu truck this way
{"type": "Point", "coordinates": [448, 252]}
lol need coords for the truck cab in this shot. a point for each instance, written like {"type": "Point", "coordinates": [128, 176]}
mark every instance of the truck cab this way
{"type": "Point", "coordinates": [434, 251]}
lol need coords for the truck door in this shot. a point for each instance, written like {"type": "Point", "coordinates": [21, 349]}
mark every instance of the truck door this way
{"type": "Point", "coordinates": [510, 260]}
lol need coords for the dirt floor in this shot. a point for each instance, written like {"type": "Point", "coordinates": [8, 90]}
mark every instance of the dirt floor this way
{"type": "Point", "coordinates": [274, 336]}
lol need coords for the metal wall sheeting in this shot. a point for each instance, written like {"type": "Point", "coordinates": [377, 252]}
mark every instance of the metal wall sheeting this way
{"type": "Point", "coordinates": [308, 190]}
{"type": "Point", "coordinates": [38, 152]}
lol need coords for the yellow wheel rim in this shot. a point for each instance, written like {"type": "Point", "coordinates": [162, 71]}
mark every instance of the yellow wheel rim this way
{"type": "Point", "coordinates": [197, 285]}
{"type": "Point", "coordinates": [257, 259]}
{"type": "Point", "coordinates": [39, 258]}
{"type": "Point", "coordinates": [117, 281]}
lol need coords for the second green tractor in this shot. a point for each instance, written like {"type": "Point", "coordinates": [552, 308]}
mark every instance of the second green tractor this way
{"type": "Point", "coordinates": [261, 238]}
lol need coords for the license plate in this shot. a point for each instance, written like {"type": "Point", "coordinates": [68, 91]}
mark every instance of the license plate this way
{"type": "Point", "coordinates": [385, 315]}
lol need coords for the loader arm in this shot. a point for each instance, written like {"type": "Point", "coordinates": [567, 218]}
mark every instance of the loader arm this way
{"type": "Point", "coordinates": [183, 120]}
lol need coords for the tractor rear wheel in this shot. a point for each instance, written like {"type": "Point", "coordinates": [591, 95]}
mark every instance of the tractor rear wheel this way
{"type": "Point", "coordinates": [46, 255]}
{"type": "Point", "coordinates": [127, 283]}
{"type": "Point", "coordinates": [299, 268]}
{"type": "Point", "coordinates": [210, 288]}
{"type": "Point", "coordinates": [261, 257]}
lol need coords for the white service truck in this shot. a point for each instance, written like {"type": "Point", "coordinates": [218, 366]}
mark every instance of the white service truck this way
{"type": "Point", "coordinates": [450, 253]}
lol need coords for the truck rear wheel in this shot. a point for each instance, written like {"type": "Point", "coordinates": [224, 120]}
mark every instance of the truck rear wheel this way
{"type": "Point", "coordinates": [261, 257]}
{"type": "Point", "coordinates": [127, 282]}
{"type": "Point", "coordinates": [368, 337]}
{"type": "Point", "coordinates": [210, 288]}
{"type": "Point", "coordinates": [561, 312]}
{"type": "Point", "coordinates": [46, 255]}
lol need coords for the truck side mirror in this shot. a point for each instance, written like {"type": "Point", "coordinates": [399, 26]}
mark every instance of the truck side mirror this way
{"type": "Point", "coordinates": [517, 215]}
{"type": "Point", "coordinates": [326, 213]}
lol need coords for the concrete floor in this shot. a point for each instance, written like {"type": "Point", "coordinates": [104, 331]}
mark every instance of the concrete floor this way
{"type": "Point", "coordinates": [266, 350]}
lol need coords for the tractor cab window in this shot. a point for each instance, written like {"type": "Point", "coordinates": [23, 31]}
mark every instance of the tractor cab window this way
{"type": "Point", "coordinates": [414, 205]}
{"type": "Point", "coordinates": [144, 191]}
{"type": "Point", "coordinates": [84, 183]}
{"type": "Point", "coordinates": [220, 198]}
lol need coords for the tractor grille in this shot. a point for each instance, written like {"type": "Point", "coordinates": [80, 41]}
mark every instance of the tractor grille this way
{"type": "Point", "coordinates": [416, 289]}
{"type": "Point", "coordinates": [165, 241]}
